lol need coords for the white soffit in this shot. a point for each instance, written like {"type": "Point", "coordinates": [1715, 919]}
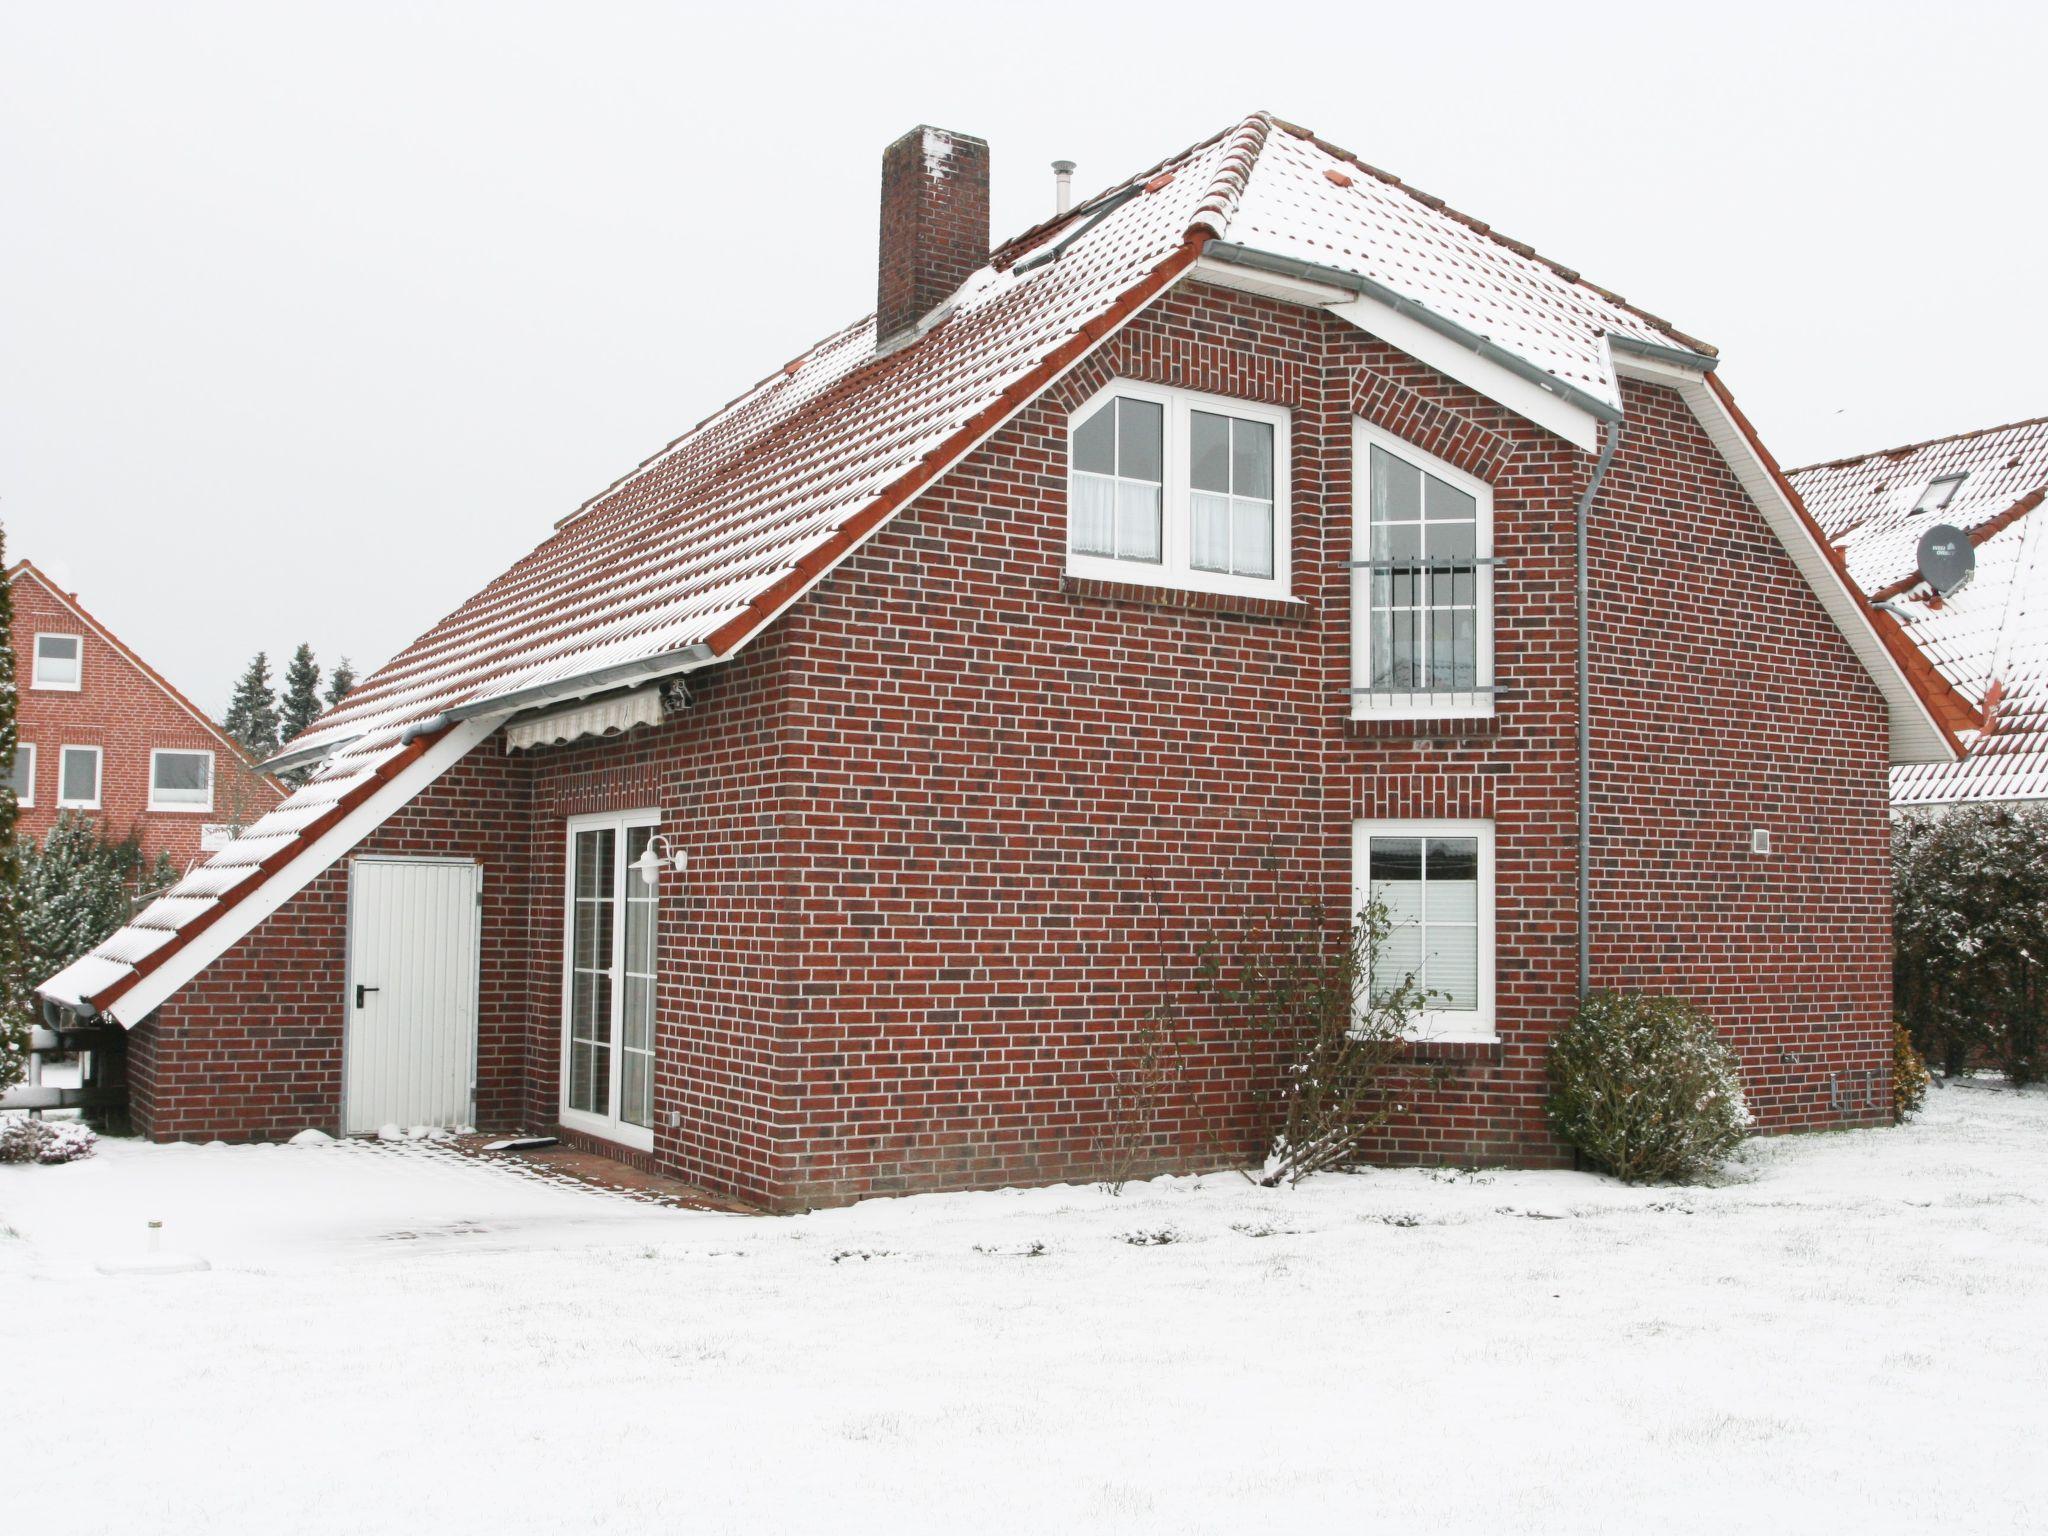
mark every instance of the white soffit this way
{"type": "Point", "coordinates": [1575, 425]}
{"type": "Point", "coordinates": [1431, 348]}
{"type": "Point", "coordinates": [607, 717]}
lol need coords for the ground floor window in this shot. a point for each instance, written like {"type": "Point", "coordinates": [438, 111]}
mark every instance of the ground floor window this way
{"type": "Point", "coordinates": [78, 779]}
{"type": "Point", "coordinates": [608, 980]}
{"type": "Point", "coordinates": [1435, 880]}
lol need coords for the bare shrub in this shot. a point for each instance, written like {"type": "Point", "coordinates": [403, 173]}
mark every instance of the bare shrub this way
{"type": "Point", "coordinates": [1330, 1048]}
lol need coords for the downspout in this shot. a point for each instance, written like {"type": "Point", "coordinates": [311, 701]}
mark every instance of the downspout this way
{"type": "Point", "coordinates": [1610, 439]}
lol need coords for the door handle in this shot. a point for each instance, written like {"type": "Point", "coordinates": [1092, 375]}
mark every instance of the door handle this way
{"type": "Point", "coordinates": [361, 989]}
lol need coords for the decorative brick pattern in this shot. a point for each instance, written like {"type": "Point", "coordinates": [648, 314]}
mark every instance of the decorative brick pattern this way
{"type": "Point", "coordinates": [959, 826]}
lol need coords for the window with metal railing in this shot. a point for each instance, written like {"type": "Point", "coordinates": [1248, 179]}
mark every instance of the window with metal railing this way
{"type": "Point", "coordinates": [1422, 586]}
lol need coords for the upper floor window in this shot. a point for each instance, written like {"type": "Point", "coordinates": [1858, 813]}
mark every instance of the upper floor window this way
{"type": "Point", "coordinates": [24, 778]}
{"type": "Point", "coordinates": [59, 662]}
{"type": "Point", "coordinates": [1422, 585]}
{"type": "Point", "coordinates": [180, 781]}
{"type": "Point", "coordinates": [1176, 489]}
{"type": "Point", "coordinates": [1941, 490]}
{"type": "Point", "coordinates": [78, 779]}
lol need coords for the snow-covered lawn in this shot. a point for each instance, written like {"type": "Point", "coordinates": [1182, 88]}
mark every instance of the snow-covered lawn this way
{"type": "Point", "coordinates": [392, 1339]}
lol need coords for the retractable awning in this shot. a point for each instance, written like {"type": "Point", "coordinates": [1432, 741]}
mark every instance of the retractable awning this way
{"type": "Point", "coordinates": [606, 717]}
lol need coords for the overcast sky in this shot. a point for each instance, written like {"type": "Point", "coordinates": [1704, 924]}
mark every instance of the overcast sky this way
{"type": "Point", "coordinates": [313, 318]}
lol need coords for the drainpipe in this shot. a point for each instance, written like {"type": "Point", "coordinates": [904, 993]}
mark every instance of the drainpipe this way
{"type": "Point", "coordinates": [1610, 439]}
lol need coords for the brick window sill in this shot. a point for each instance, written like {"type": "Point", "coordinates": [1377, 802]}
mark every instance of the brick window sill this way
{"type": "Point", "coordinates": [1484, 727]}
{"type": "Point", "coordinates": [1181, 597]}
{"type": "Point", "coordinates": [1454, 1053]}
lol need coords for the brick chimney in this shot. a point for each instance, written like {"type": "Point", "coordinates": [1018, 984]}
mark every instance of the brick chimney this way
{"type": "Point", "coordinates": [934, 224]}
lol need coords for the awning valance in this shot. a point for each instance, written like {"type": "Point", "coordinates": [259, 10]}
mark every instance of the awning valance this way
{"type": "Point", "coordinates": [606, 717]}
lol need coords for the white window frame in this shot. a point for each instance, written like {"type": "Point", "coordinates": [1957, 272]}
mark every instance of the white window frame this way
{"type": "Point", "coordinates": [26, 751]}
{"type": "Point", "coordinates": [36, 663]}
{"type": "Point", "coordinates": [99, 778]}
{"type": "Point", "coordinates": [1417, 704]}
{"type": "Point", "coordinates": [204, 808]}
{"type": "Point", "coordinates": [1175, 569]}
{"type": "Point", "coordinates": [1440, 1025]}
{"type": "Point", "coordinates": [606, 1127]}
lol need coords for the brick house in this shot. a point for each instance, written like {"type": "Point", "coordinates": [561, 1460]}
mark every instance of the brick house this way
{"type": "Point", "coordinates": [104, 735]}
{"type": "Point", "coordinates": [1989, 638]}
{"type": "Point", "coordinates": [822, 809]}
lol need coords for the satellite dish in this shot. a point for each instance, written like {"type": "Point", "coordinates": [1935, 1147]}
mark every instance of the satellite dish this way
{"type": "Point", "coordinates": [1947, 559]}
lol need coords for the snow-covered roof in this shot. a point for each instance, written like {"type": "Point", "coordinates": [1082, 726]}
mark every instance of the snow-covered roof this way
{"type": "Point", "coordinates": [706, 541]}
{"type": "Point", "coordinates": [1990, 640]}
{"type": "Point", "coordinates": [679, 563]}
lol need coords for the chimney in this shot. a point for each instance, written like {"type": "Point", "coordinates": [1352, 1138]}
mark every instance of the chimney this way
{"type": "Point", "coordinates": [934, 224]}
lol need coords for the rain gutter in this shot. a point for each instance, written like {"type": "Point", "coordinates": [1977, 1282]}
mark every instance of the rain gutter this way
{"type": "Point", "coordinates": [1611, 440]}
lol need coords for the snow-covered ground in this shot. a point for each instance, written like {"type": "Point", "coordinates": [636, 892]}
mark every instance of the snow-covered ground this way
{"type": "Point", "coordinates": [1848, 1337]}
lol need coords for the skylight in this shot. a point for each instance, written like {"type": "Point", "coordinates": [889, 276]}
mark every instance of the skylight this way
{"type": "Point", "coordinates": [1940, 492]}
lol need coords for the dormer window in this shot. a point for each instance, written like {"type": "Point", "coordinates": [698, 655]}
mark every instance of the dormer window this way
{"type": "Point", "coordinates": [1941, 490]}
{"type": "Point", "coordinates": [1169, 488]}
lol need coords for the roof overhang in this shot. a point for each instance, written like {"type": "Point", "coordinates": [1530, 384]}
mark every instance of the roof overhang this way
{"type": "Point", "coordinates": [197, 946]}
{"type": "Point", "coordinates": [1926, 713]}
{"type": "Point", "coordinates": [1502, 376]}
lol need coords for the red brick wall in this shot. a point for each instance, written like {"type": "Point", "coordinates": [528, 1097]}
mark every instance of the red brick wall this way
{"type": "Point", "coordinates": [126, 713]}
{"type": "Point", "coordinates": [959, 825]}
{"type": "Point", "coordinates": [1727, 700]}
{"type": "Point", "coordinates": [726, 931]}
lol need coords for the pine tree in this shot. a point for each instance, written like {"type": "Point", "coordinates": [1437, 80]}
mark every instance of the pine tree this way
{"type": "Point", "coordinates": [252, 712]}
{"type": "Point", "coordinates": [301, 705]}
{"type": "Point", "coordinates": [15, 997]}
{"type": "Point", "coordinates": [73, 891]}
{"type": "Point", "coordinates": [340, 682]}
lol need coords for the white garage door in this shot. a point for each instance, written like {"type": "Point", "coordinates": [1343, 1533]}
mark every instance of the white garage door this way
{"type": "Point", "coordinates": [412, 992]}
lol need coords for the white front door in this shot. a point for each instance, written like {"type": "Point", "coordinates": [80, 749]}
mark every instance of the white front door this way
{"type": "Point", "coordinates": [412, 990]}
{"type": "Point", "coordinates": [608, 981]}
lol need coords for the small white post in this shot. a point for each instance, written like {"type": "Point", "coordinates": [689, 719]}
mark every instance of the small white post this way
{"type": "Point", "coordinates": [1062, 185]}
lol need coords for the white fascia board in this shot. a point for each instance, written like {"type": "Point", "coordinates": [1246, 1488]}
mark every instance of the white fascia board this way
{"type": "Point", "coordinates": [1432, 349]}
{"type": "Point", "coordinates": [142, 999]}
{"type": "Point", "coordinates": [1915, 735]}
{"type": "Point", "coordinates": [1270, 285]}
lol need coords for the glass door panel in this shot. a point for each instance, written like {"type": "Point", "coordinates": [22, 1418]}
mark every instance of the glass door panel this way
{"type": "Point", "coordinates": [636, 1031]}
{"type": "Point", "coordinates": [590, 982]}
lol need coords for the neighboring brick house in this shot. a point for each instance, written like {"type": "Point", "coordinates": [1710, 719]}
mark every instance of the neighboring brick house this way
{"type": "Point", "coordinates": [1990, 638]}
{"type": "Point", "coordinates": [827, 807]}
{"type": "Point", "coordinates": [104, 735]}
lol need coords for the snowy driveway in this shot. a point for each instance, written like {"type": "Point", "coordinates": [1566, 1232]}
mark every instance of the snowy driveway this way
{"type": "Point", "coordinates": [389, 1340]}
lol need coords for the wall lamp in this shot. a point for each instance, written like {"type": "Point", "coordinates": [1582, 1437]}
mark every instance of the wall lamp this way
{"type": "Point", "coordinates": [660, 846]}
